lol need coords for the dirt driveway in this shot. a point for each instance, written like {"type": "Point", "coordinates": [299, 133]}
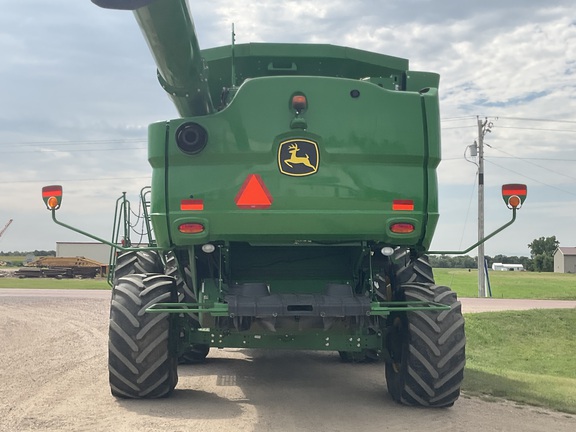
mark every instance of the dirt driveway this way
{"type": "Point", "coordinates": [53, 377]}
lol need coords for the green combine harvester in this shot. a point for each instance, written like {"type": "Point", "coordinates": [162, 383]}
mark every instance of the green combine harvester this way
{"type": "Point", "coordinates": [292, 205]}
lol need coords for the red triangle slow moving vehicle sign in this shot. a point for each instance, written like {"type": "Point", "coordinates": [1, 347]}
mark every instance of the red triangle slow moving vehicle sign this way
{"type": "Point", "coordinates": [253, 194]}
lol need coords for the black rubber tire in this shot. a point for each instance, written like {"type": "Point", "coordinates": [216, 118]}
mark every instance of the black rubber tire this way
{"type": "Point", "coordinates": [141, 359]}
{"type": "Point", "coordinates": [197, 353]}
{"type": "Point", "coordinates": [137, 262]}
{"type": "Point", "coordinates": [427, 349]}
{"type": "Point", "coordinates": [408, 269]}
{"type": "Point", "coordinates": [403, 268]}
{"type": "Point", "coordinates": [185, 293]}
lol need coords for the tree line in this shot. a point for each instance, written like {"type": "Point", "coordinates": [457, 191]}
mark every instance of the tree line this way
{"type": "Point", "coordinates": [541, 257]}
{"type": "Point", "coordinates": [37, 253]}
{"type": "Point", "coordinates": [466, 261]}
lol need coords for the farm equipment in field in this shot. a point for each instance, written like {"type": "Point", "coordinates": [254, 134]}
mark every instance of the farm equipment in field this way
{"type": "Point", "coordinates": [292, 206]}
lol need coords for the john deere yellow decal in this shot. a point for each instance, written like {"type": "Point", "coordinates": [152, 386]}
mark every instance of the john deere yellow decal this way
{"type": "Point", "coordinates": [298, 157]}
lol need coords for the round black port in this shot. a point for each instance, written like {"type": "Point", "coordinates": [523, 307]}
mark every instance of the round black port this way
{"type": "Point", "coordinates": [191, 138]}
{"type": "Point", "coordinates": [355, 93]}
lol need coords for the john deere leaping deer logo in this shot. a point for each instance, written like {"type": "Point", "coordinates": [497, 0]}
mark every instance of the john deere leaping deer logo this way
{"type": "Point", "coordinates": [298, 157]}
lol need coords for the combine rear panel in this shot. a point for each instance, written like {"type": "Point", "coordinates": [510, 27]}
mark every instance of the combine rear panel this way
{"type": "Point", "coordinates": [358, 156]}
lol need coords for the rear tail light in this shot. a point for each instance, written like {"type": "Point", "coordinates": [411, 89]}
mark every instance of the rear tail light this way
{"type": "Point", "coordinates": [191, 228]}
{"type": "Point", "coordinates": [402, 228]}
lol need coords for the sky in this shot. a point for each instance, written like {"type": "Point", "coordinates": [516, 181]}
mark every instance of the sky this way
{"type": "Point", "coordinates": [78, 89]}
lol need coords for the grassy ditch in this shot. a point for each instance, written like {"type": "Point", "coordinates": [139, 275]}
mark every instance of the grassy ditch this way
{"type": "Point", "coordinates": [512, 285]}
{"type": "Point", "coordinates": [524, 356]}
{"type": "Point", "coordinates": [50, 283]}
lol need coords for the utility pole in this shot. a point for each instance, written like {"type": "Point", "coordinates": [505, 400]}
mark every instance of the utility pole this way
{"type": "Point", "coordinates": [481, 278]}
{"type": "Point", "coordinates": [483, 128]}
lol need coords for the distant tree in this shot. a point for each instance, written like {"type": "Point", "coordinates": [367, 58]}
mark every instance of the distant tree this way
{"type": "Point", "coordinates": [40, 253]}
{"type": "Point", "coordinates": [459, 261]}
{"type": "Point", "coordinates": [466, 261]}
{"type": "Point", "coordinates": [543, 263]}
{"type": "Point", "coordinates": [37, 253]}
{"type": "Point", "coordinates": [542, 253]}
{"type": "Point", "coordinates": [543, 246]}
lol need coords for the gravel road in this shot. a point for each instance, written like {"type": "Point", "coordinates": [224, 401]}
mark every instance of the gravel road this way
{"type": "Point", "coordinates": [53, 375]}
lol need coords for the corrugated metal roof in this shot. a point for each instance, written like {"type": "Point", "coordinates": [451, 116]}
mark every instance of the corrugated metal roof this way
{"type": "Point", "coordinates": [567, 250]}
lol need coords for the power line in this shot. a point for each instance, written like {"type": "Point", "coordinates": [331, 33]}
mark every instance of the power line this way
{"type": "Point", "coordinates": [458, 127]}
{"type": "Point", "coordinates": [535, 164]}
{"type": "Point", "coordinates": [457, 118]}
{"type": "Point", "coordinates": [73, 142]}
{"type": "Point", "coordinates": [537, 119]}
{"type": "Point", "coordinates": [537, 129]}
{"type": "Point", "coordinates": [76, 180]}
{"type": "Point", "coordinates": [72, 150]}
{"type": "Point", "coordinates": [531, 178]}
{"type": "Point", "coordinates": [529, 158]}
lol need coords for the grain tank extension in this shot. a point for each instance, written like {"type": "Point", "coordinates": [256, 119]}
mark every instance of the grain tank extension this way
{"type": "Point", "coordinates": [292, 205]}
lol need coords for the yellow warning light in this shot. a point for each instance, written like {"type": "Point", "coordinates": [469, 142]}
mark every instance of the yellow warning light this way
{"type": "Point", "coordinates": [514, 201]}
{"type": "Point", "coordinates": [52, 203]}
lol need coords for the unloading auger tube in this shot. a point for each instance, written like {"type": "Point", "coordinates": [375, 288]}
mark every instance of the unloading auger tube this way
{"type": "Point", "coordinates": [169, 31]}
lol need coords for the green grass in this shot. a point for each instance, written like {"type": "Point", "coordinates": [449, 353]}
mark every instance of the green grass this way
{"type": "Point", "coordinates": [524, 356]}
{"type": "Point", "coordinates": [49, 283]}
{"type": "Point", "coordinates": [514, 285]}
{"type": "Point", "coordinates": [11, 258]}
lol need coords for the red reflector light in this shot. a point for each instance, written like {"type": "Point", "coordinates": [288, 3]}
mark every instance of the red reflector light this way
{"type": "Point", "coordinates": [402, 228]}
{"type": "Point", "coordinates": [514, 189]}
{"type": "Point", "coordinates": [192, 204]}
{"type": "Point", "coordinates": [191, 228]}
{"type": "Point", "coordinates": [253, 194]}
{"type": "Point", "coordinates": [406, 205]}
{"type": "Point", "coordinates": [48, 191]}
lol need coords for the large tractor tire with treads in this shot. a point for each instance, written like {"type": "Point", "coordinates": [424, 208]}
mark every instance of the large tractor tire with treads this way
{"type": "Point", "coordinates": [141, 348]}
{"type": "Point", "coordinates": [408, 268]}
{"type": "Point", "coordinates": [137, 262]}
{"type": "Point", "coordinates": [427, 349]}
{"type": "Point", "coordinates": [404, 268]}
